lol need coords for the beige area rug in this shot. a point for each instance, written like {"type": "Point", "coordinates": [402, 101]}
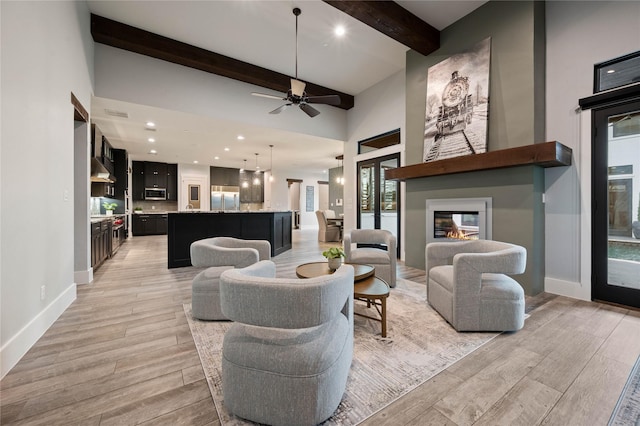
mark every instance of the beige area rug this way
{"type": "Point", "coordinates": [418, 346]}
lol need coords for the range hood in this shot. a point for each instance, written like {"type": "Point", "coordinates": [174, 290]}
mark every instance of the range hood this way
{"type": "Point", "coordinates": [99, 172]}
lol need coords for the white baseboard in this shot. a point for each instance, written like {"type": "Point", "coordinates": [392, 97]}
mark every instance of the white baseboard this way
{"type": "Point", "coordinates": [83, 277]}
{"type": "Point", "coordinates": [19, 344]}
{"type": "Point", "coordinates": [571, 289]}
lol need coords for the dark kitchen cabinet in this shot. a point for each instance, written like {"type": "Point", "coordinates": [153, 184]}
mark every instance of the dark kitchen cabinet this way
{"type": "Point", "coordinates": [149, 174]}
{"type": "Point", "coordinates": [224, 176]}
{"type": "Point", "coordinates": [108, 155]}
{"type": "Point", "coordinates": [155, 175]}
{"type": "Point", "coordinates": [172, 182]}
{"type": "Point", "coordinates": [121, 172]}
{"type": "Point", "coordinates": [149, 224]}
{"type": "Point", "coordinates": [100, 242]}
{"type": "Point", "coordinates": [250, 192]}
{"type": "Point", "coordinates": [137, 180]}
{"type": "Point", "coordinates": [103, 189]}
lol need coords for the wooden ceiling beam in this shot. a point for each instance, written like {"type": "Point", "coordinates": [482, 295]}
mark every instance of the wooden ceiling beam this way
{"type": "Point", "coordinates": [122, 36]}
{"type": "Point", "coordinates": [394, 21]}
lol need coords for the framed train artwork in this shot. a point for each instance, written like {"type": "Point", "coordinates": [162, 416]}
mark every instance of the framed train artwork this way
{"type": "Point", "coordinates": [457, 108]}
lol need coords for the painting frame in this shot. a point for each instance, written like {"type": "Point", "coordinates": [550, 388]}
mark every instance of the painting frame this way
{"type": "Point", "coordinates": [457, 104]}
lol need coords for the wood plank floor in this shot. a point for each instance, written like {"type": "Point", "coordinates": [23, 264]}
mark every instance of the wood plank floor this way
{"type": "Point", "coordinates": [123, 354]}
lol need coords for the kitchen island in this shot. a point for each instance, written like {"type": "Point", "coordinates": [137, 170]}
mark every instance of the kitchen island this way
{"type": "Point", "coordinates": [187, 227]}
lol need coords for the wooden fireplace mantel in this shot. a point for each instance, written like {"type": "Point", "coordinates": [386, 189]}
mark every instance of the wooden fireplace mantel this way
{"type": "Point", "coordinates": [547, 154]}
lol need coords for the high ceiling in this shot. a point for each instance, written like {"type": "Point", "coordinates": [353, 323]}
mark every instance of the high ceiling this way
{"type": "Point", "coordinates": [261, 33]}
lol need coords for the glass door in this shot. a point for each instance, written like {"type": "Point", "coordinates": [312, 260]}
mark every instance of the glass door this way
{"type": "Point", "coordinates": [379, 198]}
{"type": "Point", "coordinates": [616, 204]}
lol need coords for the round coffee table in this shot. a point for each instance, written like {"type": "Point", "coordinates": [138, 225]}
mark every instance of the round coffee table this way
{"type": "Point", "coordinates": [317, 269]}
{"type": "Point", "coordinates": [367, 287]}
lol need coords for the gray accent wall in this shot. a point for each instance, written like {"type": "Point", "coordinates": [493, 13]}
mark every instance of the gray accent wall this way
{"type": "Point", "coordinates": [516, 118]}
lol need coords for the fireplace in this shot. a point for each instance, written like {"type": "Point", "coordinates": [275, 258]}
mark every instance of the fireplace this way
{"type": "Point", "coordinates": [453, 219]}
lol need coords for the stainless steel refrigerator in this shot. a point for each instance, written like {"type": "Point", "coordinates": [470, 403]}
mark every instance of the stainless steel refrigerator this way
{"type": "Point", "coordinates": [225, 198]}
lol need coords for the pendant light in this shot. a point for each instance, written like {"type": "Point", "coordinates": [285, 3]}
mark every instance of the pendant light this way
{"type": "Point", "coordinates": [256, 180]}
{"type": "Point", "coordinates": [245, 184]}
{"type": "Point", "coordinates": [271, 164]}
{"type": "Point", "coordinates": [340, 178]}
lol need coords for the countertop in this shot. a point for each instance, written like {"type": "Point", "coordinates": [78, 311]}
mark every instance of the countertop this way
{"type": "Point", "coordinates": [229, 211]}
{"type": "Point", "coordinates": [100, 217]}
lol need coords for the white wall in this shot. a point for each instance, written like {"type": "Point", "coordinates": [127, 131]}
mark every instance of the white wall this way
{"type": "Point", "coordinates": [47, 53]}
{"type": "Point", "coordinates": [377, 110]}
{"type": "Point", "coordinates": [579, 34]}
{"type": "Point", "coordinates": [131, 77]}
{"type": "Point", "coordinates": [194, 173]}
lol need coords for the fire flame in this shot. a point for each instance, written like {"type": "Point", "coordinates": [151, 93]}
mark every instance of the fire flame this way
{"type": "Point", "coordinates": [461, 235]}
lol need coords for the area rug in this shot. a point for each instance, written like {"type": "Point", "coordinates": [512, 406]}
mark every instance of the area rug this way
{"type": "Point", "coordinates": [627, 411]}
{"type": "Point", "coordinates": [419, 344]}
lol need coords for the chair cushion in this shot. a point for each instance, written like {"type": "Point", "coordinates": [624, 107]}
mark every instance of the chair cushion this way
{"type": "Point", "coordinates": [369, 255]}
{"type": "Point", "coordinates": [208, 280]}
{"type": "Point", "coordinates": [500, 287]}
{"type": "Point", "coordinates": [299, 352]}
{"type": "Point", "coordinates": [443, 275]}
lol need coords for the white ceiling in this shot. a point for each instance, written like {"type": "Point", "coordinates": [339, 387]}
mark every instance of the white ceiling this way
{"type": "Point", "coordinates": [261, 33]}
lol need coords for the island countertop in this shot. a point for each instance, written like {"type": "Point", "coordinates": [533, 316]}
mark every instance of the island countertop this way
{"type": "Point", "coordinates": [185, 227]}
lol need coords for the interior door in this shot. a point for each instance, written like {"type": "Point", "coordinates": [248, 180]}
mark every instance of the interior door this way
{"type": "Point", "coordinates": [616, 204]}
{"type": "Point", "coordinates": [379, 198]}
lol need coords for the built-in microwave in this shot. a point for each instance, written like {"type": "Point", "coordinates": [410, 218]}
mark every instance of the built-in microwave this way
{"type": "Point", "coordinates": [155, 194]}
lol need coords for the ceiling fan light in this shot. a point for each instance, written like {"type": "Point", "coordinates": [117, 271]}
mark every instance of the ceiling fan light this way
{"type": "Point", "coordinates": [297, 87]}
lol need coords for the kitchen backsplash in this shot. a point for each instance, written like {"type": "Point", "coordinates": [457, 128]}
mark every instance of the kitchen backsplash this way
{"type": "Point", "coordinates": [150, 206]}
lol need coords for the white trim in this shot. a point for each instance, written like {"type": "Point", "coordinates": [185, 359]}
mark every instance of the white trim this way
{"type": "Point", "coordinates": [571, 289]}
{"type": "Point", "coordinates": [19, 344]}
{"type": "Point", "coordinates": [83, 277]}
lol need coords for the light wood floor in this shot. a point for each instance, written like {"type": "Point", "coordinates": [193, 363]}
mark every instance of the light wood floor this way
{"type": "Point", "coordinates": [123, 354]}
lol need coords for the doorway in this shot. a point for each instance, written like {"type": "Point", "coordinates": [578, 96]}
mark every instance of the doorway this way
{"type": "Point", "coordinates": [378, 198]}
{"type": "Point", "coordinates": [616, 204]}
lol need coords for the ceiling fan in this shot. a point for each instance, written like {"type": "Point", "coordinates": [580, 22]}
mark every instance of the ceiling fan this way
{"type": "Point", "coordinates": [296, 95]}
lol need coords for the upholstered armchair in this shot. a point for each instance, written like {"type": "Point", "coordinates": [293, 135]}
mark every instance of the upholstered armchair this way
{"type": "Point", "coordinates": [286, 357]}
{"type": "Point", "coordinates": [219, 254]}
{"type": "Point", "coordinates": [384, 261]}
{"type": "Point", "coordinates": [467, 285]}
{"type": "Point", "coordinates": [326, 232]}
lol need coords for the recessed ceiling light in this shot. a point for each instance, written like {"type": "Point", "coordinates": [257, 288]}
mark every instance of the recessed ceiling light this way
{"type": "Point", "coordinates": [240, 137]}
{"type": "Point", "coordinates": [151, 124]}
{"type": "Point", "coordinates": [151, 140]}
{"type": "Point", "coordinates": [216, 158]}
{"type": "Point", "coordinates": [153, 151]}
{"type": "Point", "coordinates": [195, 161]}
{"type": "Point", "coordinates": [611, 71]}
{"type": "Point", "coordinates": [339, 31]}
{"type": "Point", "coordinates": [226, 149]}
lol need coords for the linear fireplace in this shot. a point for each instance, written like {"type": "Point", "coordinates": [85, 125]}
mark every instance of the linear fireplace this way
{"type": "Point", "coordinates": [453, 219]}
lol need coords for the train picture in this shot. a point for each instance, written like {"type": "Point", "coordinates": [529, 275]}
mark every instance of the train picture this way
{"type": "Point", "coordinates": [457, 105]}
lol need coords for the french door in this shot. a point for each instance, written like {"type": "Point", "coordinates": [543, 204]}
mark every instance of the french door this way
{"type": "Point", "coordinates": [616, 204]}
{"type": "Point", "coordinates": [379, 198]}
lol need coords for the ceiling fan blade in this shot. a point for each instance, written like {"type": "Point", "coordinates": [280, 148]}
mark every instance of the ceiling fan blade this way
{"type": "Point", "coordinates": [297, 87]}
{"type": "Point", "coordinates": [264, 95]}
{"type": "Point", "coordinates": [280, 109]}
{"type": "Point", "coordinates": [311, 111]}
{"type": "Point", "coordinates": [325, 99]}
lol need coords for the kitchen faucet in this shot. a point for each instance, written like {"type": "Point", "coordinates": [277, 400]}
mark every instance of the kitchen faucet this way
{"type": "Point", "coordinates": [189, 207]}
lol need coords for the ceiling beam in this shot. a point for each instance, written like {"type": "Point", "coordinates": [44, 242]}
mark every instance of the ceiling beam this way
{"type": "Point", "coordinates": [122, 36]}
{"type": "Point", "coordinates": [394, 21]}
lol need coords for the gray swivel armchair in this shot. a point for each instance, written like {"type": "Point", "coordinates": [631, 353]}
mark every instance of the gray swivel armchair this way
{"type": "Point", "coordinates": [326, 232]}
{"type": "Point", "coordinates": [384, 261]}
{"type": "Point", "coordinates": [219, 254]}
{"type": "Point", "coordinates": [467, 285]}
{"type": "Point", "coordinates": [286, 357]}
